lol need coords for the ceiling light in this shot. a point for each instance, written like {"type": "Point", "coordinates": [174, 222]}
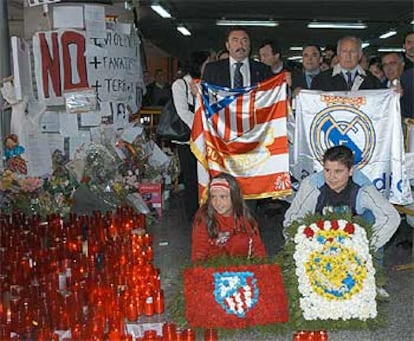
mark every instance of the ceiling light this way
{"type": "Point", "coordinates": [391, 49]}
{"type": "Point", "coordinates": [265, 23]}
{"type": "Point", "coordinates": [296, 48]}
{"type": "Point", "coordinates": [412, 22]}
{"type": "Point", "coordinates": [161, 11]}
{"type": "Point", "coordinates": [183, 30]}
{"type": "Point", "coordinates": [343, 25]}
{"type": "Point", "coordinates": [364, 45]}
{"type": "Point", "coordinates": [388, 34]}
{"type": "Point", "coordinates": [299, 58]}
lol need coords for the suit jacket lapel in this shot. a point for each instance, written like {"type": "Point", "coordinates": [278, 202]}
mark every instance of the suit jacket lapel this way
{"type": "Point", "coordinates": [226, 74]}
{"type": "Point", "coordinates": [254, 73]}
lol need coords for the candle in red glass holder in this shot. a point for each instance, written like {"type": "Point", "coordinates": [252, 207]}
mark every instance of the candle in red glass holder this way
{"type": "Point", "coordinates": [159, 304]}
{"type": "Point", "coordinates": [128, 337]}
{"type": "Point", "coordinates": [150, 335]}
{"type": "Point", "coordinates": [300, 336]}
{"type": "Point", "coordinates": [44, 334]}
{"type": "Point", "coordinates": [149, 306]}
{"type": "Point", "coordinates": [140, 305]}
{"type": "Point", "coordinates": [210, 334]}
{"type": "Point", "coordinates": [323, 335]}
{"type": "Point", "coordinates": [147, 239]}
{"type": "Point", "coordinates": [149, 253]}
{"type": "Point", "coordinates": [114, 335]}
{"type": "Point", "coordinates": [188, 335]}
{"type": "Point", "coordinates": [169, 332]}
{"type": "Point", "coordinates": [140, 260]}
{"type": "Point", "coordinates": [76, 332]}
{"type": "Point", "coordinates": [131, 311]}
{"type": "Point", "coordinates": [310, 335]}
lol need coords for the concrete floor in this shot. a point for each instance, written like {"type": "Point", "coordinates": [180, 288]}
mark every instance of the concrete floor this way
{"type": "Point", "coordinates": [172, 244]}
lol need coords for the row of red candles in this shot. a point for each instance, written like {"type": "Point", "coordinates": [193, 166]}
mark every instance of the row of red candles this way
{"type": "Point", "coordinates": [310, 335]}
{"type": "Point", "coordinates": [66, 280]}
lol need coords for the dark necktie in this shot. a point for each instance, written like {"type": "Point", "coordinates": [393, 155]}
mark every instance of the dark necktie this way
{"type": "Point", "coordinates": [238, 77]}
{"type": "Point", "coordinates": [349, 79]}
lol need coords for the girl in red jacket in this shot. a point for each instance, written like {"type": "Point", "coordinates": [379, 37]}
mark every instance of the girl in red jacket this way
{"type": "Point", "coordinates": [224, 225]}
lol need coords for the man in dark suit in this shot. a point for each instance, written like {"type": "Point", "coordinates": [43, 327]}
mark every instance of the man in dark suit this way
{"type": "Point", "coordinates": [409, 50]}
{"type": "Point", "coordinates": [407, 100]}
{"type": "Point", "coordinates": [311, 59]}
{"type": "Point", "coordinates": [223, 72]}
{"type": "Point", "coordinates": [347, 74]}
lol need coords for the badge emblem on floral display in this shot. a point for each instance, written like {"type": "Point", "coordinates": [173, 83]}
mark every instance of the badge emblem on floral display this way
{"type": "Point", "coordinates": [236, 292]}
{"type": "Point", "coordinates": [335, 272]}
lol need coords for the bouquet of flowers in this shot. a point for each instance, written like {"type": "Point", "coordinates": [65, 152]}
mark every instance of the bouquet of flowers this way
{"type": "Point", "coordinates": [35, 195]}
{"type": "Point", "coordinates": [329, 273]}
{"type": "Point", "coordinates": [335, 271]}
{"type": "Point", "coordinates": [19, 192]}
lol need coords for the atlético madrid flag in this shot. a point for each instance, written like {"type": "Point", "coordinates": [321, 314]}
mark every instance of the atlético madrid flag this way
{"type": "Point", "coordinates": [235, 296]}
{"type": "Point", "coordinates": [243, 132]}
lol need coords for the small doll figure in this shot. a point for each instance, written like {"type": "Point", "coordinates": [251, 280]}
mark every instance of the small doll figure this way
{"type": "Point", "coordinates": [13, 154]}
{"type": "Point", "coordinates": [58, 164]}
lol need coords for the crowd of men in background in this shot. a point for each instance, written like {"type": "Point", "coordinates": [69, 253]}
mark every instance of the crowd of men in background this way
{"type": "Point", "coordinates": [323, 70]}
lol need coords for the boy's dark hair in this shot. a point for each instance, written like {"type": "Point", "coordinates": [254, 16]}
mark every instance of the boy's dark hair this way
{"type": "Point", "coordinates": [341, 154]}
{"type": "Point", "coordinates": [407, 34]}
{"type": "Point", "coordinates": [375, 60]}
{"type": "Point", "coordinates": [330, 48]}
{"type": "Point", "coordinates": [197, 59]}
{"type": "Point", "coordinates": [273, 45]}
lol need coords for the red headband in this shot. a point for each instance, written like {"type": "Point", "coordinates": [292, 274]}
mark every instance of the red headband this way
{"type": "Point", "coordinates": [219, 183]}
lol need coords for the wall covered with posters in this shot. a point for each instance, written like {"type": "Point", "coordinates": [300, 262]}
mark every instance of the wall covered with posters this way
{"type": "Point", "coordinates": [78, 73]}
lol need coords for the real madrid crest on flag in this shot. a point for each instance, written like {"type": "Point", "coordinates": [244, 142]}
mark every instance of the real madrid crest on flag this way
{"type": "Point", "coordinates": [366, 121]}
{"type": "Point", "coordinates": [236, 292]}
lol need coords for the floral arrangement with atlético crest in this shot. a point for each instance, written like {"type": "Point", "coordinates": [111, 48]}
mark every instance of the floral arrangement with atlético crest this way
{"type": "Point", "coordinates": [336, 276]}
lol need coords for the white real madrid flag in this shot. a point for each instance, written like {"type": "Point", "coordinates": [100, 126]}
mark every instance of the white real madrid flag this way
{"type": "Point", "coordinates": [368, 122]}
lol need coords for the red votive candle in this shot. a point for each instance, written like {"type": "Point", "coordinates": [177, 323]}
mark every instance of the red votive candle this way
{"type": "Point", "coordinates": [150, 335]}
{"type": "Point", "coordinates": [131, 313]}
{"type": "Point", "coordinates": [159, 305]}
{"type": "Point", "coordinates": [300, 336]}
{"type": "Point", "coordinates": [149, 306]}
{"type": "Point", "coordinates": [323, 335]}
{"type": "Point", "coordinates": [169, 332]}
{"type": "Point", "coordinates": [188, 335]}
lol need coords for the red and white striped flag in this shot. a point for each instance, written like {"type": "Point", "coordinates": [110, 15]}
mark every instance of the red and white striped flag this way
{"type": "Point", "coordinates": [243, 132]}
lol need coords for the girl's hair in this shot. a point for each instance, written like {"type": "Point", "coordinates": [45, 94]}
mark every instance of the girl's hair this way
{"type": "Point", "coordinates": [240, 209]}
{"type": "Point", "coordinates": [193, 66]}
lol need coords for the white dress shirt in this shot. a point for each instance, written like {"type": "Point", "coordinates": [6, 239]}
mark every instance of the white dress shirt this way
{"type": "Point", "coordinates": [182, 100]}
